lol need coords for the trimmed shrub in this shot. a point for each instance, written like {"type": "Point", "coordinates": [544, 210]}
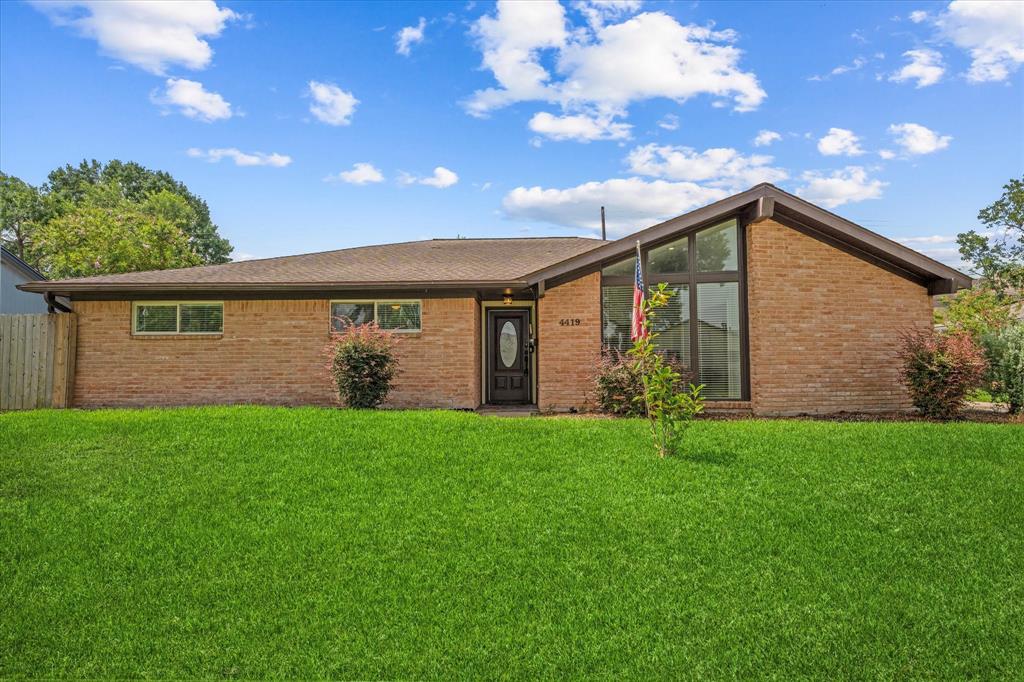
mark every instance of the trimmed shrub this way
{"type": "Point", "coordinates": [1005, 351]}
{"type": "Point", "coordinates": [619, 385]}
{"type": "Point", "coordinates": [939, 370]}
{"type": "Point", "coordinates": [363, 364]}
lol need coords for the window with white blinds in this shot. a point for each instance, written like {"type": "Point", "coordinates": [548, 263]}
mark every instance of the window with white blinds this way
{"type": "Point", "coordinates": [672, 325]}
{"type": "Point", "coordinates": [701, 269]}
{"type": "Point", "coordinates": [718, 338]}
{"type": "Point", "coordinates": [616, 316]}
{"type": "Point", "coordinates": [166, 317]}
{"type": "Point", "coordinates": [398, 316]}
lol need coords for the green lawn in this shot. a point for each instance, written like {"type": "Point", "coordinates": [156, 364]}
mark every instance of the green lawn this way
{"type": "Point", "coordinates": [256, 542]}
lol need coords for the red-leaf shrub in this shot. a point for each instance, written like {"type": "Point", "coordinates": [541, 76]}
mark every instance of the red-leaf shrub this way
{"type": "Point", "coordinates": [363, 364]}
{"type": "Point", "coordinates": [619, 384]}
{"type": "Point", "coordinates": [940, 369]}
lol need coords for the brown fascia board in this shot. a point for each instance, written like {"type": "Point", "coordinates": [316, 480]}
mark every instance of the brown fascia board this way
{"type": "Point", "coordinates": [70, 287]}
{"type": "Point", "coordinates": [767, 201]}
{"type": "Point", "coordinates": [624, 246]}
{"type": "Point", "coordinates": [795, 208]}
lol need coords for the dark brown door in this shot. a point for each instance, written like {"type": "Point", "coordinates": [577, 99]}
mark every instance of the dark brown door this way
{"type": "Point", "coordinates": [508, 356]}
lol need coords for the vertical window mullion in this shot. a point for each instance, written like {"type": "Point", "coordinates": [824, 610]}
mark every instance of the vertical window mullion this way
{"type": "Point", "coordinates": [177, 325]}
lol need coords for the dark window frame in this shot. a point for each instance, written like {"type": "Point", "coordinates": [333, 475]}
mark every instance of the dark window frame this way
{"type": "Point", "coordinates": [692, 279]}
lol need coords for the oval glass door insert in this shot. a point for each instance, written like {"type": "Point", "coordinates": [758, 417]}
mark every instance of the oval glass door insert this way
{"type": "Point", "coordinates": [508, 343]}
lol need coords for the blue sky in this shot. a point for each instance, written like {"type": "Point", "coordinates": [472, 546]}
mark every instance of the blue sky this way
{"type": "Point", "coordinates": [314, 126]}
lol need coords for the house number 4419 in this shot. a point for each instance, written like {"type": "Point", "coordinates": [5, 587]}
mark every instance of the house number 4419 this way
{"type": "Point", "coordinates": [569, 322]}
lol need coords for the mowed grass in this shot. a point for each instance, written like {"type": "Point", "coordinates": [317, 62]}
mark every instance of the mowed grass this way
{"type": "Point", "coordinates": [259, 542]}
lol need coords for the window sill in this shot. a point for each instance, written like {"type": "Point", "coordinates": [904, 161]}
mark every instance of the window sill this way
{"type": "Point", "coordinates": [164, 337]}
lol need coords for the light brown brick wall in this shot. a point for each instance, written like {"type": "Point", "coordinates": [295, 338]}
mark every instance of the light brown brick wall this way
{"type": "Point", "coordinates": [270, 352]}
{"type": "Point", "coordinates": [824, 326]}
{"type": "Point", "coordinates": [567, 354]}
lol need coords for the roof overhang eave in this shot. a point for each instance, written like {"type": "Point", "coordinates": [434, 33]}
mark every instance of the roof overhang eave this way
{"type": "Point", "coordinates": [69, 288]}
{"type": "Point", "coordinates": [767, 201]}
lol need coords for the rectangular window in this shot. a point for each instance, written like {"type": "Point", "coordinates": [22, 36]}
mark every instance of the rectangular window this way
{"type": "Point", "coordinates": [670, 258]}
{"type": "Point", "coordinates": [709, 287]}
{"type": "Point", "coordinates": [718, 317]}
{"type": "Point", "coordinates": [716, 248]}
{"type": "Point", "coordinates": [616, 316]}
{"type": "Point", "coordinates": [672, 325]}
{"type": "Point", "coordinates": [398, 316]}
{"type": "Point", "coordinates": [199, 317]}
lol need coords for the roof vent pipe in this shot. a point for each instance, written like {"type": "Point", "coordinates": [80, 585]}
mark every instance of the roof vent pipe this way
{"type": "Point", "coordinates": [604, 236]}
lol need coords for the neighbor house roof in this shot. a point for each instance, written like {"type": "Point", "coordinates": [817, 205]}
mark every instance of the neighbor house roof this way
{"type": "Point", "coordinates": [27, 270]}
{"type": "Point", "coordinates": [516, 263]}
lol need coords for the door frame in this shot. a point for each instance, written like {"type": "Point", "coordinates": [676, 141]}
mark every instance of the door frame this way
{"type": "Point", "coordinates": [485, 359]}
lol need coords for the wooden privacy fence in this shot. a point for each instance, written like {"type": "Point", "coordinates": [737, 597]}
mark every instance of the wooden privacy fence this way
{"type": "Point", "coordinates": [37, 360]}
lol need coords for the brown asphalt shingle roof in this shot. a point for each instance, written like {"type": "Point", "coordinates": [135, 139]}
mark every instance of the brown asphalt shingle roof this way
{"type": "Point", "coordinates": [448, 261]}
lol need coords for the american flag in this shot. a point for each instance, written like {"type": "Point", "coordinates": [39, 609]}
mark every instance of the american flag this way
{"type": "Point", "coordinates": [637, 329]}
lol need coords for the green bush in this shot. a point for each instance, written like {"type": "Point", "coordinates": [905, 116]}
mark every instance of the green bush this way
{"type": "Point", "coordinates": [669, 406]}
{"type": "Point", "coordinates": [1005, 351]}
{"type": "Point", "coordinates": [363, 364]}
{"type": "Point", "coordinates": [940, 369]}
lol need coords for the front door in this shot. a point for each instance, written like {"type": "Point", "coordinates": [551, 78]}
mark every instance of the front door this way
{"type": "Point", "coordinates": [508, 355]}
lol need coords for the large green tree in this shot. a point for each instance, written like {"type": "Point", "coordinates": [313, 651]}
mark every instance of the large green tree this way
{"type": "Point", "coordinates": [997, 254]}
{"type": "Point", "coordinates": [21, 212]}
{"type": "Point", "coordinates": [71, 184]}
{"type": "Point", "coordinates": [106, 233]}
{"type": "Point", "coordinates": [129, 195]}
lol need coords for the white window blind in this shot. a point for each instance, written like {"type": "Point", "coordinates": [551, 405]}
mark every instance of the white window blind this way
{"type": "Point", "coordinates": [672, 324]}
{"type": "Point", "coordinates": [200, 317]}
{"type": "Point", "coordinates": [616, 316]}
{"type": "Point", "coordinates": [718, 313]}
{"type": "Point", "coordinates": [399, 316]}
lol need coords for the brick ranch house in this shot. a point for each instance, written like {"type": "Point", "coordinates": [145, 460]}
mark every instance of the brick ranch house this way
{"type": "Point", "coordinates": [797, 311]}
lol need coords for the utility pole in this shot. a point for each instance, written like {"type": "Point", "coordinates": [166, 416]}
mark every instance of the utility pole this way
{"type": "Point", "coordinates": [604, 236]}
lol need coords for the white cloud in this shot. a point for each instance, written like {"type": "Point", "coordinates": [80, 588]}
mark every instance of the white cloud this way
{"type": "Point", "coordinates": [652, 55]}
{"type": "Point", "coordinates": [597, 12]}
{"type": "Point", "coordinates": [916, 139]}
{"type": "Point", "coordinates": [840, 141]}
{"type": "Point", "coordinates": [850, 184]}
{"type": "Point", "coordinates": [150, 35]}
{"type": "Point", "coordinates": [510, 42]}
{"type": "Point", "coordinates": [931, 239]}
{"type": "Point", "coordinates": [719, 168]}
{"type": "Point", "coordinates": [579, 127]}
{"type": "Point", "coordinates": [766, 137]}
{"type": "Point", "coordinates": [917, 16]}
{"type": "Point", "coordinates": [331, 104]}
{"type": "Point", "coordinates": [925, 67]}
{"type": "Point", "coordinates": [193, 100]}
{"type": "Point", "coordinates": [887, 154]}
{"type": "Point", "coordinates": [991, 32]}
{"type": "Point", "coordinates": [604, 68]}
{"type": "Point", "coordinates": [857, 64]}
{"type": "Point", "coordinates": [409, 36]}
{"type": "Point", "coordinates": [669, 122]}
{"type": "Point", "coordinates": [241, 158]}
{"type": "Point", "coordinates": [361, 174]}
{"type": "Point", "coordinates": [632, 203]}
{"type": "Point", "coordinates": [441, 178]}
